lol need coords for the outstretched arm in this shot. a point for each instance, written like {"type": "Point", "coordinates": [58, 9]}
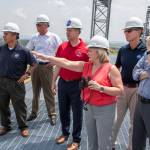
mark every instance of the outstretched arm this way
{"type": "Point", "coordinates": [62, 62]}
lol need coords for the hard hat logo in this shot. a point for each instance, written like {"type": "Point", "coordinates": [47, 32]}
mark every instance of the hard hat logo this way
{"type": "Point", "coordinates": [68, 23]}
{"type": "Point", "coordinates": [11, 27]}
{"type": "Point", "coordinates": [74, 23]}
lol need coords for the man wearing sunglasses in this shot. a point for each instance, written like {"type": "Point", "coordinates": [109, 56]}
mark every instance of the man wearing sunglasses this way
{"type": "Point", "coordinates": [46, 43]}
{"type": "Point", "coordinates": [127, 58]}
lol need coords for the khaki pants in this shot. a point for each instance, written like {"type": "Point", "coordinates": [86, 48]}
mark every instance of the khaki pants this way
{"type": "Point", "coordinates": [126, 101]}
{"type": "Point", "coordinates": [42, 78]}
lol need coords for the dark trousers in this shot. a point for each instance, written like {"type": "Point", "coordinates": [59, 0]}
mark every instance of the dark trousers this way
{"type": "Point", "coordinates": [141, 125]}
{"type": "Point", "coordinates": [14, 91]}
{"type": "Point", "coordinates": [69, 98]}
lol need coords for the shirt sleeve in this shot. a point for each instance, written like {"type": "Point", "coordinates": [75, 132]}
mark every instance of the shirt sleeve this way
{"type": "Point", "coordinates": [58, 51]}
{"type": "Point", "coordinates": [30, 45]}
{"type": "Point", "coordinates": [118, 60]}
{"type": "Point", "coordinates": [58, 41]}
{"type": "Point", "coordinates": [139, 67]}
{"type": "Point", "coordinates": [30, 58]}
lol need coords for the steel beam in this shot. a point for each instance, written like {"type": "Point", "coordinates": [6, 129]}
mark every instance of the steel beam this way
{"type": "Point", "coordinates": [147, 24]}
{"type": "Point", "coordinates": [100, 17]}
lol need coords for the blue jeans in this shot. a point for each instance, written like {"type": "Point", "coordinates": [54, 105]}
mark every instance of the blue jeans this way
{"type": "Point", "coordinates": [69, 98]}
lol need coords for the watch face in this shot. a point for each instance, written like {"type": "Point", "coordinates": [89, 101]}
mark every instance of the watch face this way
{"type": "Point", "coordinates": [102, 89]}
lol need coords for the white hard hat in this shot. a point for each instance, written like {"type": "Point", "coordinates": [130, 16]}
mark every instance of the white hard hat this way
{"type": "Point", "coordinates": [134, 22]}
{"type": "Point", "coordinates": [11, 27]}
{"type": "Point", "coordinates": [98, 42]}
{"type": "Point", "coordinates": [42, 18]}
{"type": "Point", "coordinates": [74, 23]}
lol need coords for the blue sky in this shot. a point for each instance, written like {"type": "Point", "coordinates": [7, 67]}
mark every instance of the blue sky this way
{"type": "Point", "coordinates": [24, 13]}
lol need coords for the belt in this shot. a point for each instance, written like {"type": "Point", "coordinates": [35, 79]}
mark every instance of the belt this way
{"type": "Point", "coordinates": [70, 80]}
{"type": "Point", "coordinates": [131, 85]}
{"type": "Point", "coordinates": [42, 63]}
{"type": "Point", "coordinates": [144, 100]}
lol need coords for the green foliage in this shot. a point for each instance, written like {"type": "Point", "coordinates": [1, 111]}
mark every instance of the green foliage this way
{"type": "Point", "coordinates": [23, 42]}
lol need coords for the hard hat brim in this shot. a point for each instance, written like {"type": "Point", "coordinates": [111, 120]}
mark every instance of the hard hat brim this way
{"type": "Point", "coordinates": [93, 46]}
{"type": "Point", "coordinates": [69, 27]}
{"type": "Point", "coordinates": [132, 27]}
{"type": "Point", "coordinates": [9, 31]}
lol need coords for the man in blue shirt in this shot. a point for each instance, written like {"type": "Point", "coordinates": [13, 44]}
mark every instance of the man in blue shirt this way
{"type": "Point", "coordinates": [141, 122]}
{"type": "Point", "coordinates": [14, 59]}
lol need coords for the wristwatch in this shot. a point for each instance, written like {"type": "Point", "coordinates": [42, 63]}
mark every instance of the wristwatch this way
{"type": "Point", "coordinates": [148, 52]}
{"type": "Point", "coordinates": [102, 89]}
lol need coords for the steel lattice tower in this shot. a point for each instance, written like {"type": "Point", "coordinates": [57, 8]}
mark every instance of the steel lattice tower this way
{"type": "Point", "coordinates": [100, 17]}
{"type": "Point", "coordinates": [147, 24]}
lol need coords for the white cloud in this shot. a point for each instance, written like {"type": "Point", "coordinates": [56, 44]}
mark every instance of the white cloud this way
{"type": "Point", "coordinates": [21, 13]}
{"type": "Point", "coordinates": [87, 9]}
{"type": "Point", "coordinates": [59, 3]}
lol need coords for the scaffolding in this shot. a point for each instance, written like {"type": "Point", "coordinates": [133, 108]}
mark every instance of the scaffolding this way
{"type": "Point", "coordinates": [100, 17]}
{"type": "Point", "coordinates": [147, 24]}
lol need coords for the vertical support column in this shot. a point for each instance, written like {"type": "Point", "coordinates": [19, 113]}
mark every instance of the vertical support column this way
{"type": "Point", "coordinates": [100, 17]}
{"type": "Point", "coordinates": [147, 24]}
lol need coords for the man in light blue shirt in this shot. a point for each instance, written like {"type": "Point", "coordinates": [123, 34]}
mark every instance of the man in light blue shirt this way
{"type": "Point", "coordinates": [141, 123]}
{"type": "Point", "coordinates": [46, 43]}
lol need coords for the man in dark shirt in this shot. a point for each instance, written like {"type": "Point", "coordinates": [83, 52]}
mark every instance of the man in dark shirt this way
{"type": "Point", "coordinates": [127, 58]}
{"type": "Point", "coordinates": [14, 59]}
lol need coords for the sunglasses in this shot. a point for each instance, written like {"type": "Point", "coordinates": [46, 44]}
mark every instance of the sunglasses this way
{"type": "Point", "coordinates": [130, 30]}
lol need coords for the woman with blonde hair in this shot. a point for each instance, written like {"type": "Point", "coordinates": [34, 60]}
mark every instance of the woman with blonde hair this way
{"type": "Point", "coordinates": [101, 83]}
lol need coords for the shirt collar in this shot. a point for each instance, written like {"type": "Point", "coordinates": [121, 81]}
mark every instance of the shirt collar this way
{"type": "Point", "coordinates": [76, 45]}
{"type": "Point", "coordinates": [15, 48]}
{"type": "Point", "coordinates": [47, 34]}
{"type": "Point", "coordinates": [140, 46]}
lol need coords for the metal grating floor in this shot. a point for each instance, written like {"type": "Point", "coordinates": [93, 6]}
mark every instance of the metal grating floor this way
{"type": "Point", "coordinates": [42, 134]}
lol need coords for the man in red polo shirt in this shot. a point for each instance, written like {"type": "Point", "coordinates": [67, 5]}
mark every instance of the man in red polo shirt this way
{"type": "Point", "coordinates": [68, 85]}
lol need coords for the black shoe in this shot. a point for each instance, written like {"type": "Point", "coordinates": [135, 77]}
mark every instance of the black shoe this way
{"type": "Point", "coordinates": [113, 148]}
{"type": "Point", "coordinates": [4, 130]}
{"type": "Point", "coordinates": [31, 117]}
{"type": "Point", "coordinates": [53, 120]}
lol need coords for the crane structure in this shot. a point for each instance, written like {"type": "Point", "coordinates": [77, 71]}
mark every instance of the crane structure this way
{"type": "Point", "coordinates": [147, 24]}
{"type": "Point", "coordinates": [100, 17]}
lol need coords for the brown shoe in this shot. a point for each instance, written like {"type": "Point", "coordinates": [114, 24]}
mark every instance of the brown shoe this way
{"type": "Point", "coordinates": [73, 146]}
{"type": "Point", "coordinates": [61, 139]}
{"type": "Point", "coordinates": [25, 132]}
{"type": "Point", "coordinates": [4, 130]}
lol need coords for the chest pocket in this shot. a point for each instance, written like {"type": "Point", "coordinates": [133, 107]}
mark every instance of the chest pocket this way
{"type": "Point", "coordinates": [17, 57]}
